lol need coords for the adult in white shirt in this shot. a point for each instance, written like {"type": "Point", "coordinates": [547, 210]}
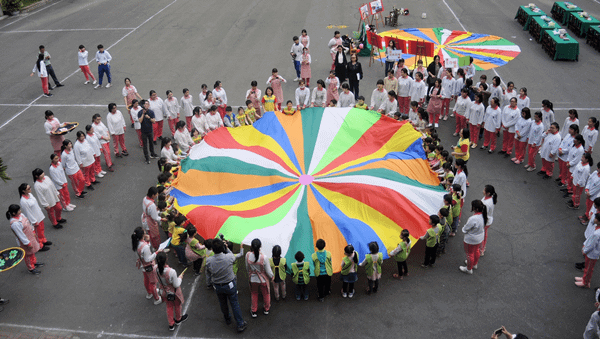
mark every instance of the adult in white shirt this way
{"type": "Point", "coordinates": [33, 212]}
{"type": "Point", "coordinates": [302, 96]}
{"type": "Point", "coordinates": [447, 92]}
{"type": "Point", "coordinates": [563, 155]}
{"type": "Point", "coordinates": [103, 135]}
{"type": "Point", "coordinates": [172, 109]}
{"type": "Point", "coordinates": [474, 116]}
{"type": "Point", "coordinates": [296, 53]}
{"type": "Point", "coordinates": [470, 70]}
{"type": "Point", "coordinates": [510, 116]}
{"type": "Point", "coordinates": [404, 83]}
{"type": "Point", "coordinates": [592, 191]}
{"type": "Point", "coordinates": [116, 127]}
{"type": "Point", "coordinates": [150, 217]}
{"type": "Point", "coordinates": [141, 245]}
{"type": "Point", "coordinates": [82, 56]}
{"type": "Point", "coordinates": [130, 93]}
{"type": "Point", "coordinates": [389, 106]}
{"type": "Point", "coordinates": [549, 150]}
{"type": "Point", "coordinates": [463, 102]}
{"type": "Point", "coordinates": [199, 121]}
{"type": "Point", "coordinates": [203, 93]}
{"type": "Point", "coordinates": [547, 113]}
{"type": "Point", "coordinates": [213, 119]}
{"type": "Point", "coordinates": [84, 155]}
{"type": "Point", "coordinates": [72, 169]}
{"type": "Point", "coordinates": [510, 93]}
{"type": "Point", "coordinates": [535, 140]}
{"type": "Point", "coordinates": [93, 140]}
{"type": "Point", "coordinates": [474, 230]}
{"type": "Point", "coordinates": [208, 102]}
{"type": "Point", "coordinates": [183, 137]}
{"type": "Point", "coordinates": [573, 118]}
{"type": "Point", "coordinates": [48, 197]}
{"type": "Point", "coordinates": [157, 106]}
{"type": "Point", "coordinates": [167, 151]}
{"type": "Point", "coordinates": [51, 125]}
{"type": "Point", "coordinates": [333, 43]}
{"type": "Point", "coordinates": [496, 89]}
{"type": "Point", "coordinates": [491, 124]}
{"type": "Point", "coordinates": [220, 97]}
{"type": "Point", "coordinates": [523, 100]}
{"type": "Point", "coordinates": [59, 178]}
{"type": "Point", "coordinates": [42, 73]}
{"type": "Point", "coordinates": [103, 59]}
{"type": "Point", "coordinates": [170, 283]}
{"type": "Point", "coordinates": [187, 107]}
{"type": "Point", "coordinates": [490, 199]}
{"type": "Point", "coordinates": [573, 159]}
{"type": "Point", "coordinates": [379, 96]}
{"type": "Point", "coordinates": [346, 97]}
{"type": "Point", "coordinates": [135, 109]}
{"type": "Point", "coordinates": [418, 89]}
{"type": "Point", "coordinates": [590, 134]}
{"type": "Point", "coordinates": [319, 95]}
{"type": "Point", "coordinates": [26, 238]}
{"type": "Point", "coordinates": [580, 173]}
{"type": "Point", "coordinates": [522, 129]}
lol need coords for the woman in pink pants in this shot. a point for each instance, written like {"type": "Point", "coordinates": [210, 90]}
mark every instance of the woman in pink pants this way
{"type": "Point", "coordinates": [48, 197]}
{"type": "Point", "coordinates": [32, 210]}
{"type": "Point", "coordinates": [260, 276]}
{"type": "Point", "coordinates": [57, 173]}
{"type": "Point", "coordinates": [42, 73]}
{"type": "Point", "coordinates": [82, 56]}
{"type": "Point", "coordinates": [490, 198]}
{"type": "Point", "coordinates": [170, 285]}
{"type": "Point", "coordinates": [141, 245]}
{"type": "Point", "coordinates": [84, 155]}
{"type": "Point", "coordinates": [26, 238]}
{"type": "Point", "coordinates": [72, 169]}
{"type": "Point", "coordinates": [474, 230]}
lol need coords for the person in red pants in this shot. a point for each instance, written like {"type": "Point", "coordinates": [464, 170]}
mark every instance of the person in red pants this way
{"type": "Point", "coordinates": [579, 177]}
{"type": "Point", "coordinates": [48, 197]}
{"type": "Point", "coordinates": [170, 284]}
{"type": "Point", "coordinates": [510, 116]}
{"type": "Point", "coordinates": [491, 124]}
{"type": "Point", "coordinates": [549, 150]}
{"type": "Point", "coordinates": [141, 245]}
{"type": "Point", "coordinates": [150, 217]}
{"type": "Point", "coordinates": [103, 135]}
{"type": "Point", "coordinates": [84, 155]}
{"type": "Point", "coordinates": [591, 251]}
{"type": "Point", "coordinates": [57, 174]}
{"type": "Point", "coordinates": [32, 210]}
{"type": "Point", "coordinates": [535, 140]}
{"type": "Point", "coordinates": [116, 128]}
{"type": "Point", "coordinates": [26, 238]}
{"type": "Point", "coordinates": [522, 129]}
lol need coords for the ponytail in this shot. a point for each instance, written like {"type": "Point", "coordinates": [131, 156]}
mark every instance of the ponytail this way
{"type": "Point", "coordinates": [136, 236]}
{"type": "Point", "coordinates": [22, 189]}
{"type": "Point", "coordinates": [489, 189]}
{"type": "Point", "coordinates": [596, 122]}
{"type": "Point", "coordinates": [255, 247]}
{"type": "Point", "coordinates": [484, 214]}
{"type": "Point", "coordinates": [12, 211]}
{"type": "Point", "coordinates": [478, 206]}
{"type": "Point", "coordinates": [161, 261]}
{"type": "Point", "coordinates": [65, 143]}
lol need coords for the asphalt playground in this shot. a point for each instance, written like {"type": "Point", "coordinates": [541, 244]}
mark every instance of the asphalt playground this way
{"type": "Point", "coordinates": [89, 287]}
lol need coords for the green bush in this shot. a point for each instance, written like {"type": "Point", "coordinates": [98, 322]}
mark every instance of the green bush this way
{"type": "Point", "coordinates": [12, 5]}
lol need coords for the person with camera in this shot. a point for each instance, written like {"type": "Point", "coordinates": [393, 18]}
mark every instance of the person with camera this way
{"type": "Point", "coordinates": [508, 335]}
{"type": "Point", "coordinates": [140, 241]}
{"type": "Point", "coordinates": [170, 285]}
{"type": "Point", "coordinates": [219, 272]}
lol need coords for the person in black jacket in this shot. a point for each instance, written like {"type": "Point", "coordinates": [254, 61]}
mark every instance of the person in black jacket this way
{"type": "Point", "coordinates": [340, 64]}
{"type": "Point", "coordinates": [355, 74]}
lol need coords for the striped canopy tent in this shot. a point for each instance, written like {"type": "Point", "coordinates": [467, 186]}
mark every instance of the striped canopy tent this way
{"type": "Point", "coordinates": [488, 51]}
{"type": "Point", "coordinates": [345, 175]}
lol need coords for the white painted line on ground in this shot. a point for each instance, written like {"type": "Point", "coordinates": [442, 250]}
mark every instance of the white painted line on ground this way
{"type": "Point", "coordinates": [187, 303]}
{"type": "Point", "coordinates": [68, 30]}
{"type": "Point", "coordinates": [28, 15]}
{"type": "Point", "coordinates": [70, 75]}
{"type": "Point", "coordinates": [96, 333]}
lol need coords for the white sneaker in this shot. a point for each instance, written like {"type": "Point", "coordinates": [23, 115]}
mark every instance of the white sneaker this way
{"type": "Point", "coordinates": [149, 296]}
{"type": "Point", "coordinates": [100, 175]}
{"type": "Point", "coordinates": [108, 86]}
{"type": "Point", "coordinates": [351, 294]}
{"type": "Point", "coordinates": [72, 206]}
{"type": "Point", "coordinates": [95, 87]}
{"type": "Point", "coordinates": [474, 266]}
{"type": "Point", "coordinates": [95, 82]}
{"type": "Point", "coordinates": [68, 208]}
{"type": "Point", "coordinates": [297, 79]}
{"type": "Point", "coordinates": [65, 209]}
{"type": "Point", "coordinates": [464, 269]}
{"type": "Point", "coordinates": [437, 125]}
{"type": "Point", "coordinates": [158, 302]}
{"type": "Point", "coordinates": [86, 82]}
{"type": "Point", "coordinates": [102, 172]}
{"type": "Point", "coordinates": [344, 295]}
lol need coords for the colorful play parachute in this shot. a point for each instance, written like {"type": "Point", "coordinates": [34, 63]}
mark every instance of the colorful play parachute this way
{"type": "Point", "coordinates": [488, 51]}
{"type": "Point", "coordinates": [348, 176]}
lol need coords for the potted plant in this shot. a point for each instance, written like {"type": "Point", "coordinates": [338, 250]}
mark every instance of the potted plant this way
{"type": "Point", "coordinates": [12, 6]}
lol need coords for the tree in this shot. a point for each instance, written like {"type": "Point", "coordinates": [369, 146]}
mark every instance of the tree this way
{"type": "Point", "coordinates": [3, 174]}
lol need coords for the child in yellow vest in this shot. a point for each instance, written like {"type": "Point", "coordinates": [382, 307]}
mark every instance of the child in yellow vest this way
{"type": "Point", "coordinates": [289, 109]}
{"type": "Point", "coordinates": [372, 264]}
{"type": "Point", "coordinates": [400, 254]}
{"type": "Point", "coordinates": [242, 117]}
{"type": "Point", "coordinates": [301, 275]}
{"type": "Point", "coordinates": [196, 137]}
{"type": "Point", "coordinates": [176, 242]}
{"type": "Point", "coordinates": [323, 269]}
{"type": "Point", "coordinates": [431, 238]}
{"type": "Point", "coordinates": [332, 103]}
{"type": "Point", "coordinates": [349, 275]}
{"type": "Point", "coordinates": [443, 214]}
{"type": "Point", "coordinates": [250, 112]}
{"type": "Point", "coordinates": [361, 103]}
{"type": "Point", "coordinates": [447, 175]}
{"type": "Point", "coordinates": [279, 268]}
{"type": "Point", "coordinates": [457, 196]}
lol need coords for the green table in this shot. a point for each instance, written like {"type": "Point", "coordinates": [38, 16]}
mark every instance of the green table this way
{"type": "Point", "coordinates": [538, 25]}
{"type": "Point", "coordinates": [593, 37]}
{"type": "Point", "coordinates": [580, 25]}
{"type": "Point", "coordinates": [561, 11]}
{"type": "Point", "coordinates": [557, 48]}
{"type": "Point", "coordinates": [524, 15]}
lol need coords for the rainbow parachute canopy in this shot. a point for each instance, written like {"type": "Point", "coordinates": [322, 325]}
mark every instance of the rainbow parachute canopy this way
{"type": "Point", "coordinates": [345, 175]}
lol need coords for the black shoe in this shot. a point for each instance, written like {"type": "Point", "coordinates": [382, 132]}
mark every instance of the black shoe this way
{"type": "Point", "coordinates": [490, 151]}
{"type": "Point", "coordinates": [541, 173]}
{"type": "Point", "coordinates": [4, 301]}
{"type": "Point", "coordinates": [171, 328]}
{"type": "Point", "coordinates": [96, 182]}
{"type": "Point", "coordinates": [59, 85]}
{"type": "Point", "coordinates": [183, 318]}
{"type": "Point", "coordinates": [557, 179]}
{"type": "Point", "coordinates": [40, 264]}
{"type": "Point", "coordinates": [84, 192]}
{"type": "Point", "coordinates": [507, 155]}
{"type": "Point", "coordinates": [502, 152]}
{"type": "Point", "coordinates": [50, 87]}
{"type": "Point", "coordinates": [564, 189]}
{"type": "Point", "coordinates": [546, 176]}
{"type": "Point", "coordinates": [253, 314]}
{"type": "Point", "coordinates": [243, 327]}
{"type": "Point", "coordinates": [566, 195]}
{"type": "Point", "coordinates": [228, 321]}
{"type": "Point", "coordinates": [125, 153]}
{"type": "Point", "coordinates": [62, 221]}
{"type": "Point", "coordinates": [44, 249]}
{"type": "Point", "coordinates": [48, 95]}
{"type": "Point", "coordinates": [34, 272]}
{"type": "Point", "coordinates": [154, 142]}
{"type": "Point", "coordinates": [90, 187]}
{"type": "Point", "coordinates": [132, 125]}
{"type": "Point", "coordinates": [58, 226]}
{"type": "Point", "coordinates": [48, 243]}
{"type": "Point", "coordinates": [80, 196]}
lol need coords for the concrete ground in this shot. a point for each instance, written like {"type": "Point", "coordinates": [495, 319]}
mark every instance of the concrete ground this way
{"type": "Point", "coordinates": [89, 286]}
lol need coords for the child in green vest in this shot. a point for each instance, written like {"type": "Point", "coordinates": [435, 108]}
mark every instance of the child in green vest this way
{"type": "Point", "coordinates": [279, 268]}
{"type": "Point", "coordinates": [431, 238]}
{"type": "Point", "coordinates": [349, 275]}
{"type": "Point", "coordinates": [323, 269]}
{"type": "Point", "coordinates": [361, 103]}
{"type": "Point", "coordinates": [457, 193]}
{"type": "Point", "coordinates": [447, 167]}
{"type": "Point", "coordinates": [372, 264]}
{"type": "Point", "coordinates": [444, 231]}
{"type": "Point", "coordinates": [400, 253]}
{"type": "Point", "coordinates": [301, 275]}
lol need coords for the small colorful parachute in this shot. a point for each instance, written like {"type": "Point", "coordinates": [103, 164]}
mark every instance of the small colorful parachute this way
{"type": "Point", "coordinates": [345, 175]}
